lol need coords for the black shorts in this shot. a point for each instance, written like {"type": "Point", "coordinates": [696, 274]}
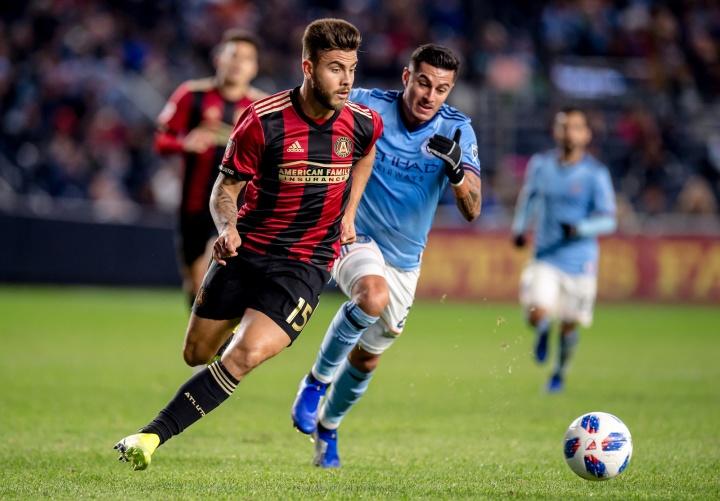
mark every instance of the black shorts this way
{"type": "Point", "coordinates": [194, 233]}
{"type": "Point", "coordinates": [286, 290]}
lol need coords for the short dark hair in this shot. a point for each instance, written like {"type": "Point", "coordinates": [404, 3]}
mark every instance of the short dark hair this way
{"type": "Point", "coordinates": [329, 34]}
{"type": "Point", "coordinates": [238, 35]}
{"type": "Point", "coordinates": [574, 109]}
{"type": "Point", "coordinates": [435, 55]}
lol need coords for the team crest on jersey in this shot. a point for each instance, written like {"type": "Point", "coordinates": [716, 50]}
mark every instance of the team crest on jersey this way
{"type": "Point", "coordinates": [474, 152]}
{"type": "Point", "coordinates": [229, 149]}
{"type": "Point", "coordinates": [343, 147]}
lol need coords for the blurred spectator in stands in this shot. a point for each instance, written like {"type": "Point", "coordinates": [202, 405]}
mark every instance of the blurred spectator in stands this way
{"type": "Point", "coordinates": [504, 62]}
{"type": "Point", "coordinates": [627, 218]}
{"type": "Point", "coordinates": [668, 70]}
{"type": "Point", "coordinates": [702, 26]}
{"type": "Point", "coordinates": [654, 176]}
{"type": "Point", "coordinates": [710, 164]}
{"type": "Point", "coordinates": [696, 197]}
{"type": "Point", "coordinates": [583, 28]}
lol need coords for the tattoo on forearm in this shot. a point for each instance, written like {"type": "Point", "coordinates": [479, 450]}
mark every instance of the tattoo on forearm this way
{"type": "Point", "coordinates": [469, 203]}
{"type": "Point", "coordinates": [223, 201]}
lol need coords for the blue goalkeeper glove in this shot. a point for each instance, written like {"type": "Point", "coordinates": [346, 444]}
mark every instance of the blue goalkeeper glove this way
{"type": "Point", "coordinates": [449, 151]}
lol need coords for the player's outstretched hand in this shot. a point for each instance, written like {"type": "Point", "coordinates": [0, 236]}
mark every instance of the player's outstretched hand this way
{"type": "Point", "coordinates": [569, 231]}
{"type": "Point", "coordinates": [199, 140]}
{"type": "Point", "coordinates": [347, 230]}
{"type": "Point", "coordinates": [450, 152]}
{"type": "Point", "coordinates": [226, 245]}
{"type": "Point", "coordinates": [519, 240]}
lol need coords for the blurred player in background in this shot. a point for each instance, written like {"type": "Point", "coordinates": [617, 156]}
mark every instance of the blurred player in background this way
{"type": "Point", "coordinates": [426, 146]}
{"type": "Point", "coordinates": [196, 122]}
{"type": "Point", "coordinates": [301, 153]}
{"type": "Point", "coordinates": [570, 195]}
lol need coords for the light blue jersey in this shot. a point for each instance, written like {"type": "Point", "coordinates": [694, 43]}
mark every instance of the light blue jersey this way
{"type": "Point", "coordinates": [402, 194]}
{"type": "Point", "coordinates": [581, 195]}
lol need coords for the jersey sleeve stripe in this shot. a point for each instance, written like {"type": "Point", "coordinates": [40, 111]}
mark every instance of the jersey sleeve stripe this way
{"type": "Point", "coordinates": [356, 108]}
{"type": "Point", "coordinates": [360, 111]}
{"type": "Point", "coordinates": [265, 111]}
{"type": "Point", "coordinates": [452, 115]}
{"type": "Point", "coordinates": [385, 96]}
{"type": "Point", "coordinates": [274, 104]}
{"type": "Point", "coordinates": [471, 168]}
{"type": "Point", "coordinates": [270, 99]}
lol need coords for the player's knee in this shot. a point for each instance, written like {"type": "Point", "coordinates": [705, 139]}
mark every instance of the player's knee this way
{"type": "Point", "coordinates": [373, 297]}
{"type": "Point", "coordinates": [535, 315]}
{"type": "Point", "coordinates": [240, 361]}
{"type": "Point", "coordinates": [194, 355]}
{"type": "Point", "coordinates": [363, 360]}
{"type": "Point", "coordinates": [568, 327]}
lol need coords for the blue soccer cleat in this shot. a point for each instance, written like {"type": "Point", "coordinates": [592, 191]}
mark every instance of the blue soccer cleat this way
{"type": "Point", "coordinates": [305, 408]}
{"type": "Point", "coordinates": [326, 452]}
{"type": "Point", "coordinates": [555, 385]}
{"type": "Point", "coordinates": [541, 345]}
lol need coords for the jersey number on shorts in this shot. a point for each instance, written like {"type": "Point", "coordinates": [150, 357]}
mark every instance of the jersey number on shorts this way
{"type": "Point", "coordinates": [307, 310]}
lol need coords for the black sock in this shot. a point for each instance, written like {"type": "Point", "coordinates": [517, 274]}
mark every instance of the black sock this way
{"type": "Point", "coordinates": [198, 396]}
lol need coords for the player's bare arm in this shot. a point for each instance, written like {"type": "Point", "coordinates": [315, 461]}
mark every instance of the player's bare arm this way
{"type": "Point", "coordinates": [468, 196]}
{"type": "Point", "coordinates": [223, 207]}
{"type": "Point", "coordinates": [361, 174]}
{"type": "Point", "coordinates": [466, 185]}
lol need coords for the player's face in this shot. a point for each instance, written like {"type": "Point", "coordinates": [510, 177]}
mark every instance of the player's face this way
{"type": "Point", "coordinates": [571, 131]}
{"type": "Point", "coordinates": [426, 89]}
{"type": "Point", "coordinates": [331, 77]}
{"type": "Point", "coordinates": [236, 63]}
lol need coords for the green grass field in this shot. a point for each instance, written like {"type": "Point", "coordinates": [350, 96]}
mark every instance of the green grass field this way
{"type": "Point", "coordinates": [456, 409]}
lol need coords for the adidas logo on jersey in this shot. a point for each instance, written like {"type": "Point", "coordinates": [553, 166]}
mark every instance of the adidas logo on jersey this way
{"type": "Point", "coordinates": [296, 147]}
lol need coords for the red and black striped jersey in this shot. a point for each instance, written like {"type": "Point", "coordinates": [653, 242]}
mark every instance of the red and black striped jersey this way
{"type": "Point", "coordinates": [299, 174]}
{"type": "Point", "coordinates": [198, 103]}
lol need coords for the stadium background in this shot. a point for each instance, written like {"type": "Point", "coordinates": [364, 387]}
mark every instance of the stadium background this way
{"type": "Point", "coordinates": [456, 409]}
{"type": "Point", "coordinates": [81, 84]}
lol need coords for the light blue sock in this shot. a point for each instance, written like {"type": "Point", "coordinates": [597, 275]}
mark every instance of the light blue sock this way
{"type": "Point", "coordinates": [542, 327]}
{"type": "Point", "coordinates": [568, 342]}
{"type": "Point", "coordinates": [344, 331]}
{"type": "Point", "coordinates": [347, 389]}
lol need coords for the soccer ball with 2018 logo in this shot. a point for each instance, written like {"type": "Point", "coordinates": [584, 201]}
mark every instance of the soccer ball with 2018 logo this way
{"type": "Point", "coordinates": [597, 446]}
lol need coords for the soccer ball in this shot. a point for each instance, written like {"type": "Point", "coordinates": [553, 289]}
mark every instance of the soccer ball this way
{"type": "Point", "coordinates": [597, 446]}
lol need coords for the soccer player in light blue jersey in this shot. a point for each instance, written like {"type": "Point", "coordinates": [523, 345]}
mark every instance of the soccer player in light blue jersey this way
{"type": "Point", "coordinates": [570, 196]}
{"type": "Point", "coordinates": [426, 145]}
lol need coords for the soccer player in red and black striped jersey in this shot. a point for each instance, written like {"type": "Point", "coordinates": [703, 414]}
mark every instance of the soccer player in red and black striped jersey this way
{"type": "Point", "coordinates": [196, 122]}
{"type": "Point", "coordinates": [305, 156]}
